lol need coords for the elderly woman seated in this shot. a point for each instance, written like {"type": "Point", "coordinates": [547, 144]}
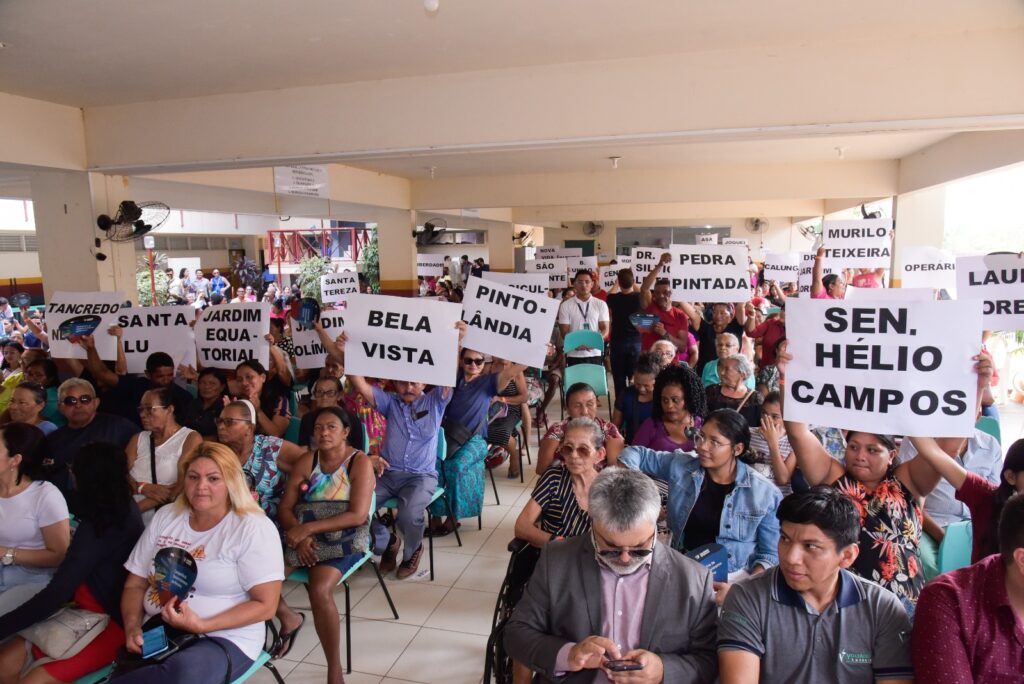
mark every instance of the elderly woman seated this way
{"type": "Point", "coordinates": [580, 402]}
{"type": "Point", "coordinates": [726, 345]}
{"type": "Point", "coordinates": [734, 389]}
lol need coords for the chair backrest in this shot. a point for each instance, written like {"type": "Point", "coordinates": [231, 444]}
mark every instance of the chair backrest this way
{"type": "Point", "coordinates": [955, 549]}
{"type": "Point", "coordinates": [591, 373]}
{"type": "Point", "coordinates": [292, 433]}
{"type": "Point", "coordinates": [989, 426]}
{"type": "Point", "coordinates": [442, 445]}
{"type": "Point", "coordinates": [583, 338]}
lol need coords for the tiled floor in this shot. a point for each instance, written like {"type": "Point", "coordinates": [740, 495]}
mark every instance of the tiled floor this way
{"type": "Point", "coordinates": [441, 634]}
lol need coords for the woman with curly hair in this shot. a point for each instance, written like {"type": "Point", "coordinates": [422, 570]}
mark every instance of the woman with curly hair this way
{"type": "Point", "coordinates": [679, 405]}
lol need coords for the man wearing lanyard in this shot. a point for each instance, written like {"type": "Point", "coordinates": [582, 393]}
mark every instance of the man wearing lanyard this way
{"type": "Point", "coordinates": [583, 312]}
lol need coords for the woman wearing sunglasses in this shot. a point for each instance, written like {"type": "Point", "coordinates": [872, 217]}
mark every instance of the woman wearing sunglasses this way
{"type": "Point", "coordinates": [715, 496]}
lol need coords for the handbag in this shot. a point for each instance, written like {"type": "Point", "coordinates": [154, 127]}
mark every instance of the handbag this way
{"type": "Point", "coordinates": [177, 641]}
{"type": "Point", "coordinates": [456, 434]}
{"type": "Point", "coordinates": [65, 633]}
{"type": "Point", "coordinates": [329, 545]}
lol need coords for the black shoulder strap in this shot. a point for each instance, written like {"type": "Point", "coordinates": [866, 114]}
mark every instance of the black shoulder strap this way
{"type": "Point", "coordinates": [152, 457]}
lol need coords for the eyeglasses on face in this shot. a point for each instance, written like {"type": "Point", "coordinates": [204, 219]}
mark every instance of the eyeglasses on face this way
{"type": "Point", "coordinates": [612, 552]}
{"type": "Point", "coordinates": [322, 394]}
{"type": "Point", "coordinates": [145, 410]}
{"type": "Point", "coordinates": [221, 421]}
{"type": "Point", "coordinates": [583, 451]}
{"type": "Point", "coordinates": [84, 400]}
{"type": "Point", "coordinates": [474, 362]}
{"type": "Point", "coordinates": [700, 438]}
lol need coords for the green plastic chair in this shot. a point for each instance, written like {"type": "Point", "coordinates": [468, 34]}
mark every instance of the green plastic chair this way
{"type": "Point", "coordinates": [990, 426]}
{"type": "Point", "coordinates": [591, 373]}
{"type": "Point", "coordinates": [583, 338]}
{"type": "Point", "coordinates": [302, 575]}
{"type": "Point", "coordinates": [292, 433]}
{"type": "Point", "coordinates": [956, 546]}
{"type": "Point", "coordinates": [262, 660]}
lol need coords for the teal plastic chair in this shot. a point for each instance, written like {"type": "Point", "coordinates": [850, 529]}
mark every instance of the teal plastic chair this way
{"type": "Point", "coordinates": [302, 575]}
{"type": "Point", "coordinates": [990, 426]}
{"type": "Point", "coordinates": [292, 433]}
{"type": "Point", "coordinates": [439, 493]}
{"type": "Point", "coordinates": [594, 375]}
{"type": "Point", "coordinates": [955, 549]}
{"type": "Point", "coordinates": [583, 338]}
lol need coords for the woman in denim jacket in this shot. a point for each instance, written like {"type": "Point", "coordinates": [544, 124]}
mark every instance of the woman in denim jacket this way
{"type": "Point", "coordinates": [715, 496]}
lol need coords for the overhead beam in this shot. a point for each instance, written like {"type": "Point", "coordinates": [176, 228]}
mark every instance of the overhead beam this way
{"type": "Point", "coordinates": [670, 211]}
{"type": "Point", "coordinates": [958, 156]}
{"type": "Point", "coordinates": [41, 134]}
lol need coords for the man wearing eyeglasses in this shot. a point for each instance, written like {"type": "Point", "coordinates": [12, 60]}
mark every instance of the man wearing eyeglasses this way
{"type": "Point", "coordinates": [77, 402]}
{"type": "Point", "coordinates": [615, 606]}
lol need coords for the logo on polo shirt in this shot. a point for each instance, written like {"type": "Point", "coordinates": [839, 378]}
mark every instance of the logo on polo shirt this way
{"type": "Point", "coordinates": [854, 657]}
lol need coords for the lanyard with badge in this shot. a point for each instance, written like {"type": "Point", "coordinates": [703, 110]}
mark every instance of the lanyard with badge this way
{"type": "Point", "coordinates": [586, 323]}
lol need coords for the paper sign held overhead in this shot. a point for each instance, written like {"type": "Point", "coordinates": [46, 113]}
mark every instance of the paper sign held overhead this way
{"type": "Point", "coordinates": [570, 252]}
{"type": "Point", "coordinates": [302, 181]}
{"type": "Point", "coordinates": [894, 368]}
{"type": "Point", "coordinates": [865, 243]}
{"type": "Point", "coordinates": [149, 329]}
{"type": "Point", "coordinates": [309, 347]}
{"type": "Point", "coordinates": [707, 239]}
{"type": "Point", "coordinates": [609, 277]}
{"type": "Point", "coordinates": [229, 334]}
{"type": "Point", "coordinates": [430, 265]}
{"type": "Point", "coordinates": [336, 287]}
{"type": "Point", "coordinates": [783, 267]}
{"type": "Point", "coordinates": [553, 268]}
{"type": "Point", "coordinates": [709, 273]}
{"type": "Point", "coordinates": [806, 275]}
{"type": "Point", "coordinates": [546, 252]}
{"type": "Point", "coordinates": [508, 323]}
{"type": "Point", "coordinates": [70, 315]}
{"type": "Point", "coordinates": [889, 294]}
{"type": "Point", "coordinates": [735, 241]}
{"type": "Point", "coordinates": [400, 338]}
{"type": "Point", "coordinates": [574, 265]}
{"type": "Point", "coordinates": [536, 283]}
{"type": "Point", "coordinates": [927, 267]}
{"type": "Point", "coordinates": [998, 281]}
{"type": "Point", "coordinates": [645, 259]}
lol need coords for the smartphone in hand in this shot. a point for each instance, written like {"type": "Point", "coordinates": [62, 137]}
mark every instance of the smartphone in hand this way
{"type": "Point", "coordinates": [623, 665]}
{"type": "Point", "coordinates": [154, 642]}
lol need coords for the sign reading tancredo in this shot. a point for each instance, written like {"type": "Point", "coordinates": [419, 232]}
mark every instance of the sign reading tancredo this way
{"type": "Point", "coordinates": [149, 329]}
{"type": "Point", "coordinates": [553, 268]}
{"type": "Point", "coordinates": [536, 283]}
{"type": "Point", "coordinates": [865, 243]}
{"type": "Point", "coordinates": [894, 368]}
{"type": "Point", "coordinates": [783, 267]}
{"type": "Point", "coordinates": [508, 323]}
{"type": "Point", "coordinates": [309, 346]}
{"type": "Point", "coordinates": [997, 280]}
{"type": "Point", "coordinates": [336, 287]}
{"type": "Point", "coordinates": [71, 315]}
{"type": "Point", "coordinates": [430, 265]}
{"type": "Point", "coordinates": [229, 334]}
{"type": "Point", "coordinates": [927, 267]}
{"type": "Point", "coordinates": [709, 273]}
{"type": "Point", "coordinates": [400, 338]}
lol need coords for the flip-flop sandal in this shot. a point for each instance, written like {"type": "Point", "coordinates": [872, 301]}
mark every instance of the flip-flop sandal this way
{"type": "Point", "coordinates": [289, 639]}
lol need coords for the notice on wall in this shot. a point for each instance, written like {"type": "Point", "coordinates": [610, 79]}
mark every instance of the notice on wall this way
{"type": "Point", "coordinates": [531, 282]}
{"type": "Point", "coordinates": [574, 265]}
{"type": "Point", "coordinates": [229, 334]}
{"type": "Point", "coordinates": [927, 267]}
{"type": "Point", "coordinates": [782, 267]}
{"type": "Point", "coordinates": [806, 275]}
{"type": "Point", "coordinates": [894, 368]}
{"type": "Point", "coordinates": [546, 252]}
{"type": "Point", "coordinates": [707, 239]}
{"type": "Point", "coordinates": [336, 287]}
{"type": "Point", "coordinates": [430, 265]}
{"type": "Point", "coordinates": [508, 323]}
{"type": "Point", "coordinates": [889, 294]}
{"type": "Point", "coordinates": [645, 259]}
{"type": "Point", "coordinates": [553, 268]}
{"type": "Point", "coordinates": [70, 315]}
{"type": "Point", "coordinates": [302, 181]}
{"type": "Point", "coordinates": [865, 243]}
{"type": "Point", "coordinates": [309, 348]}
{"type": "Point", "coordinates": [998, 281]}
{"type": "Point", "coordinates": [709, 273]}
{"type": "Point", "coordinates": [401, 338]}
{"type": "Point", "coordinates": [609, 276]}
{"type": "Point", "coordinates": [149, 329]}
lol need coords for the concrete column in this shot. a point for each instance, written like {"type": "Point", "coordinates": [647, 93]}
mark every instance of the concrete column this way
{"type": "Point", "coordinates": [397, 249]}
{"type": "Point", "coordinates": [920, 218]}
{"type": "Point", "coordinates": [500, 248]}
{"type": "Point", "coordinates": [66, 204]}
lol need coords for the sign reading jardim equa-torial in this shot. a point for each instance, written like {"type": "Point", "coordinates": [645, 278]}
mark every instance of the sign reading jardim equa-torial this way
{"type": "Point", "coordinates": [709, 273]}
{"type": "Point", "coordinates": [998, 281]}
{"type": "Point", "coordinates": [228, 334]}
{"type": "Point", "coordinates": [508, 323]}
{"type": "Point", "coordinates": [897, 368]}
{"type": "Point", "coordinates": [149, 329]}
{"type": "Point", "coordinates": [400, 338]}
{"type": "Point", "coordinates": [72, 315]}
{"type": "Point", "coordinates": [336, 287]}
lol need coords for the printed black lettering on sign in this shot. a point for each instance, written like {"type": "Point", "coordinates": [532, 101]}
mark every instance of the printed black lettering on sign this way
{"type": "Point", "coordinates": [396, 321]}
{"type": "Point", "coordinates": [227, 314]}
{"type": "Point", "coordinates": [95, 309]}
{"type": "Point", "coordinates": [394, 352]}
{"type": "Point", "coordinates": [488, 324]}
{"type": "Point", "coordinates": [151, 320]}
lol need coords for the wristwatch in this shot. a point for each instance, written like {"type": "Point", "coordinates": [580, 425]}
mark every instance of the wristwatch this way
{"type": "Point", "coordinates": [8, 558]}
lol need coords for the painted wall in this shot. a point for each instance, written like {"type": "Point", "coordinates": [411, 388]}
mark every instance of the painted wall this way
{"type": "Point", "coordinates": [41, 133]}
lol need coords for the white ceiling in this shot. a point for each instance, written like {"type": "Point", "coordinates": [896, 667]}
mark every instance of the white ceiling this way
{"type": "Point", "coordinates": [657, 156]}
{"type": "Point", "coordinates": [99, 52]}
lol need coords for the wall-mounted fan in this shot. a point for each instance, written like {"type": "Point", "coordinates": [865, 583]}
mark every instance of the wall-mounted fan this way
{"type": "Point", "coordinates": [756, 225]}
{"type": "Point", "coordinates": [431, 232]}
{"type": "Point", "coordinates": [811, 231]}
{"type": "Point", "coordinates": [523, 238]}
{"type": "Point", "coordinates": [592, 229]}
{"type": "Point", "coordinates": [133, 220]}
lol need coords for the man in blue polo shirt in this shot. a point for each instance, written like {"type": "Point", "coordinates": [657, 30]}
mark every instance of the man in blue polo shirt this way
{"type": "Point", "coordinates": [809, 619]}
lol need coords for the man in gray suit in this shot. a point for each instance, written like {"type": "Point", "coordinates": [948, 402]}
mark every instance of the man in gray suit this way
{"type": "Point", "coordinates": [615, 606]}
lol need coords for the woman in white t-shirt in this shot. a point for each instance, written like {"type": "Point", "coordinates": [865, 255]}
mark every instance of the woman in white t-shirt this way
{"type": "Point", "coordinates": [236, 552]}
{"type": "Point", "coordinates": [154, 471]}
{"type": "Point", "coordinates": [34, 529]}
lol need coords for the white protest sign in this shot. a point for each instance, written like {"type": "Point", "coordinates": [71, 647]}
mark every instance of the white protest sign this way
{"type": "Point", "coordinates": [646, 258]}
{"type": "Point", "coordinates": [430, 265]}
{"type": "Point", "coordinates": [889, 294]}
{"type": "Point", "coordinates": [553, 268]}
{"type": "Point", "coordinates": [707, 239]}
{"type": "Point", "coordinates": [149, 329]}
{"type": "Point", "coordinates": [735, 241]}
{"type": "Point", "coordinates": [309, 349]}
{"type": "Point", "coordinates": [709, 273]}
{"type": "Point", "coordinates": [336, 287]}
{"type": "Point", "coordinates": [69, 315]}
{"type": "Point", "coordinates": [997, 280]}
{"type": "Point", "coordinates": [574, 265]}
{"type": "Point", "coordinates": [508, 323]}
{"type": "Point", "coordinates": [806, 275]}
{"type": "Point", "coordinates": [531, 282]}
{"type": "Point", "coordinates": [401, 338]}
{"type": "Point", "coordinates": [609, 276]}
{"type": "Point", "coordinates": [570, 252]}
{"type": "Point", "coordinates": [927, 267]}
{"type": "Point", "coordinates": [895, 368]}
{"type": "Point", "coordinates": [546, 252]}
{"type": "Point", "coordinates": [783, 267]}
{"type": "Point", "coordinates": [228, 334]}
{"type": "Point", "coordinates": [604, 258]}
{"type": "Point", "coordinates": [864, 243]}
{"type": "Point", "coordinates": [624, 261]}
